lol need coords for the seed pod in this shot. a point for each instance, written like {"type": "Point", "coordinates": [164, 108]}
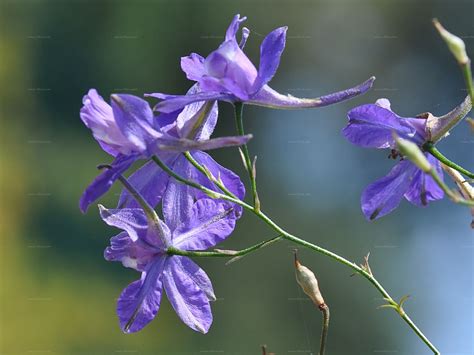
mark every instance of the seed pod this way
{"type": "Point", "coordinates": [308, 282]}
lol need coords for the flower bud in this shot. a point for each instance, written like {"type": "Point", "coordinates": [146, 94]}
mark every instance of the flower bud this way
{"type": "Point", "coordinates": [455, 44]}
{"type": "Point", "coordinates": [308, 282]}
{"type": "Point", "coordinates": [413, 152]}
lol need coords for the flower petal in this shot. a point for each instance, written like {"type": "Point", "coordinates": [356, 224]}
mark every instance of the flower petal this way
{"type": "Point", "coordinates": [385, 194]}
{"type": "Point", "coordinates": [178, 198]}
{"type": "Point", "coordinates": [136, 255]}
{"type": "Point", "coordinates": [197, 120]}
{"type": "Point", "coordinates": [131, 220]}
{"type": "Point", "coordinates": [270, 52]}
{"type": "Point", "coordinates": [98, 116]}
{"type": "Point", "coordinates": [134, 118]}
{"type": "Point", "coordinates": [208, 223]}
{"type": "Point", "coordinates": [423, 188]}
{"type": "Point", "coordinates": [270, 98]}
{"type": "Point", "coordinates": [105, 180]}
{"type": "Point", "coordinates": [140, 301]}
{"type": "Point", "coordinates": [188, 300]}
{"type": "Point", "coordinates": [195, 273]}
{"type": "Point", "coordinates": [150, 181]}
{"type": "Point", "coordinates": [193, 66]}
{"type": "Point", "coordinates": [173, 103]}
{"type": "Point", "coordinates": [135, 223]}
{"type": "Point", "coordinates": [372, 126]}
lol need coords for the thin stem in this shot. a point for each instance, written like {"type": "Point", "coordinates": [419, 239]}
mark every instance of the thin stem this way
{"type": "Point", "coordinates": [429, 147]}
{"type": "Point", "coordinates": [324, 333]}
{"type": "Point", "coordinates": [467, 74]}
{"type": "Point", "coordinates": [217, 253]}
{"type": "Point", "coordinates": [208, 174]}
{"type": "Point", "coordinates": [239, 107]}
{"type": "Point", "coordinates": [304, 243]}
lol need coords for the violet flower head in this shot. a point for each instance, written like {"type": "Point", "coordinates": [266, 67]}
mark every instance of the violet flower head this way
{"type": "Point", "coordinates": [372, 126]}
{"type": "Point", "coordinates": [143, 246]}
{"type": "Point", "coordinates": [128, 130]}
{"type": "Point", "coordinates": [227, 74]}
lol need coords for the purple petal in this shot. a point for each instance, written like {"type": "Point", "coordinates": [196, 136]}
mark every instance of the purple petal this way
{"type": "Point", "coordinates": [105, 180]}
{"type": "Point", "coordinates": [98, 116]}
{"type": "Point", "coordinates": [140, 301]}
{"type": "Point", "coordinates": [372, 126]}
{"type": "Point", "coordinates": [270, 52]}
{"type": "Point", "coordinates": [184, 145]}
{"type": "Point", "coordinates": [423, 188]}
{"type": "Point", "coordinates": [234, 27]}
{"type": "Point", "coordinates": [193, 66]}
{"type": "Point", "coordinates": [231, 180]}
{"type": "Point", "coordinates": [229, 70]}
{"type": "Point", "coordinates": [135, 223]}
{"type": "Point", "coordinates": [195, 273]}
{"type": "Point", "coordinates": [173, 103]}
{"type": "Point", "coordinates": [131, 220]}
{"type": "Point", "coordinates": [188, 300]}
{"type": "Point", "coordinates": [208, 223]}
{"type": "Point", "coordinates": [134, 118]}
{"type": "Point", "coordinates": [136, 255]}
{"type": "Point", "coordinates": [385, 194]}
{"type": "Point", "coordinates": [178, 198]}
{"type": "Point", "coordinates": [197, 120]}
{"type": "Point", "coordinates": [270, 98]}
{"type": "Point", "coordinates": [150, 181]}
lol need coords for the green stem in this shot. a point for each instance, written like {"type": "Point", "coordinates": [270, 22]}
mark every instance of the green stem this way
{"type": "Point", "coordinates": [208, 174]}
{"type": "Point", "coordinates": [467, 74]}
{"type": "Point", "coordinates": [324, 333]}
{"type": "Point", "coordinates": [223, 253]}
{"type": "Point", "coordinates": [429, 147]}
{"type": "Point", "coordinates": [239, 107]}
{"type": "Point", "coordinates": [304, 243]}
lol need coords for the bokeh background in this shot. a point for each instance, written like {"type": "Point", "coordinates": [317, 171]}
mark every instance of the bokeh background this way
{"type": "Point", "coordinates": [57, 292]}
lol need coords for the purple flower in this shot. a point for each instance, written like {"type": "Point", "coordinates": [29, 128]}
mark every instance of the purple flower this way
{"type": "Point", "coordinates": [128, 130]}
{"type": "Point", "coordinates": [372, 126]}
{"type": "Point", "coordinates": [227, 74]}
{"type": "Point", "coordinates": [143, 245]}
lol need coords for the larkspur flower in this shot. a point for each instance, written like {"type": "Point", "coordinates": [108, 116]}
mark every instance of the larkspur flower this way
{"type": "Point", "coordinates": [128, 130]}
{"type": "Point", "coordinates": [372, 126]}
{"type": "Point", "coordinates": [227, 74]}
{"type": "Point", "coordinates": [143, 246]}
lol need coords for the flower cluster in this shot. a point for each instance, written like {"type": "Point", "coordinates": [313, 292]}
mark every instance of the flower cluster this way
{"type": "Point", "coordinates": [130, 130]}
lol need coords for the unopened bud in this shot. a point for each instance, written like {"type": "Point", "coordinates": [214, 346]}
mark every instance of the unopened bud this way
{"type": "Point", "coordinates": [455, 44]}
{"type": "Point", "coordinates": [308, 282]}
{"type": "Point", "coordinates": [413, 152]}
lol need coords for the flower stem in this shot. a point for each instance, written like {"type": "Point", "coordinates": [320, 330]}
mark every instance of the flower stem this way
{"type": "Point", "coordinates": [429, 147]}
{"type": "Point", "coordinates": [288, 236]}
{"type": "Point", "coordinates": [467, 74]}
{"type": "Point", "coordinates": [239, 107]}
{"type": "Point", "coordinates": [324, 333]}
{"type": "Point", "coordinates": [223, 253]}
{"type": "Point", "coordinates": [208, 174]}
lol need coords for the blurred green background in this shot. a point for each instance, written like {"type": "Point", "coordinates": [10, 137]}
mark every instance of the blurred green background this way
{"type": "Point", "coordinates": [57, 292]}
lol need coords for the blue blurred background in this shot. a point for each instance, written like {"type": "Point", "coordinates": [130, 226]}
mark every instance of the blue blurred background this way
{"type": "Point", "coordinates": [57, 292]}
